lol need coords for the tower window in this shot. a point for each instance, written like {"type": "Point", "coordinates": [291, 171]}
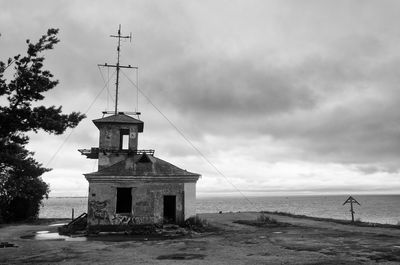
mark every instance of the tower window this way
{"type": "Point", "coordinates": [124, 139]}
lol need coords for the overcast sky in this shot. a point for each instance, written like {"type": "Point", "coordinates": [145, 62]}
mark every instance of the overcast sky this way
{"type": "Point", "coordinates": [284, 97]}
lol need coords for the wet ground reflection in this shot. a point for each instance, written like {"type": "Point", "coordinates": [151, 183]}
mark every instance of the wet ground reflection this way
{"type": "Point", "coordinates": [46, 235]}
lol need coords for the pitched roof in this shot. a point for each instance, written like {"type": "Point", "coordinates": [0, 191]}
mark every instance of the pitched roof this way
{"type": "Point", "coordinates": [145, 166]}
{"type": "Point", "coordinates": [119, 119]}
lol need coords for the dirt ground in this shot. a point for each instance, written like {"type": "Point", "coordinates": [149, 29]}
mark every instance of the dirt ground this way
{"type": "Point", "coordinates": [304, 241]}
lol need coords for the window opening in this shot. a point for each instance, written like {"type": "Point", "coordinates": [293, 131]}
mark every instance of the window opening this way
{"type": "Point", "coordinates": [124, 200]}
{"type": "Point", "coordinates": [144, 159]}
{"type": "Point", "coordinates": [124, 139]}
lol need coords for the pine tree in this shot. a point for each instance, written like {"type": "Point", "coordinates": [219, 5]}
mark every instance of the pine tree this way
{"type": "Point", "coordinates": [21, 186]}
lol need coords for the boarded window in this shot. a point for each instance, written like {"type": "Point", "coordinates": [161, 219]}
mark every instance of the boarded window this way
{"type": "Point", "coordinates": [124, 139]}
{"type": "Point", "coordinates": [124, 200]}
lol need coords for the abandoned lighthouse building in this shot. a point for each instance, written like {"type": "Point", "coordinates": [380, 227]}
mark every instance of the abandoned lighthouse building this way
{"type": "Point", "coordinates": [132, 186]}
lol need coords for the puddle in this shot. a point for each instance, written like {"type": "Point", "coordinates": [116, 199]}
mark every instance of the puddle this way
{"type": "Point", "coordinates": [111, 237]}
{"type": "Point", "coordinates": [61, 224]}
{"type": "Point", "coordinates": [42, 232]}
{"type": "Point", "coordinates": [396, 246]}
{"type": "Point", "coordinates": [182, 256]}
{"type": "Point", "coordinates": [46, 235]}
{"type": "Point", "coordinates": [277, 232]}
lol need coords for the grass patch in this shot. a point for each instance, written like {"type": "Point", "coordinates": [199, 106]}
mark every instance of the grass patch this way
{"type": "Point", "coordinates": [357, 222]}
{"type": "Point", "coordinates": [263, 220]}
{"type": "Point", "coordinates": [195, 223]}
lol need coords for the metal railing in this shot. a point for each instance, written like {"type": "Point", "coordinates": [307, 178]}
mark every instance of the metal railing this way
{"type": "Point", "coordinates": [94, 152]}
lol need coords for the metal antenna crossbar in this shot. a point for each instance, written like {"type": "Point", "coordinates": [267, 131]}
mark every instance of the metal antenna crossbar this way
{"type": "Point", "coordinates": [351, 200]}
{"type": "Point", "coordinates": [118, 66]}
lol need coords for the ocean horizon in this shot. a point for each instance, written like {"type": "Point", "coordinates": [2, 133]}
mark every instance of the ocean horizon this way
{"type": "Point", "coordinates": [374, 208]}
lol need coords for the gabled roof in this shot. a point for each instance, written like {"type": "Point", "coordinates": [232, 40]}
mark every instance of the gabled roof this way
{"type": "Point", "coordinates": [119, 119]}
{"type": "Point", "coordinates": [144, 166]}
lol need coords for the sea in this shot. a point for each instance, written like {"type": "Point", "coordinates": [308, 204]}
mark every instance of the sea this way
{"type": "Point", "coordinates": [383, 209]}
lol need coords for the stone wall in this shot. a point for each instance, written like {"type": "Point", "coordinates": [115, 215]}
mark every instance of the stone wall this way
{"type": "Point", "coordinates": [110, 136]}
{"type": "Point", "coordinates": [147, 203]}
{"type": "Point", "coordinates": [190, 200]}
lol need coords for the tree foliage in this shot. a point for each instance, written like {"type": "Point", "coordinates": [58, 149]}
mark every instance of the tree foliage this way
{"type": "Point", "coordinates": [21, 185]}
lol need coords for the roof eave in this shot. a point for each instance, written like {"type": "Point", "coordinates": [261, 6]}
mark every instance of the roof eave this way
{"type": "Point", "coordinates": [142, 178]}
{"type": "Point", "coordinates": [99, 123]}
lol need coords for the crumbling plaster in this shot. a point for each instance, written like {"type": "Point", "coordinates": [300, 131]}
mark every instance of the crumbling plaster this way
{"type": "Point", "coordinates": [147, 202]}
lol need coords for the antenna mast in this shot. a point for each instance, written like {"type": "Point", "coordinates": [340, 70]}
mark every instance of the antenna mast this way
{"type": "Point", "coordinates": [118, 66]}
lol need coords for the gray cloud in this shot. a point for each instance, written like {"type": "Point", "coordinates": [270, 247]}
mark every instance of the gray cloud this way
{"type": "Point", "coordinates": [222, 88]}
{"type": "Point", "coordinates": [318, 80]}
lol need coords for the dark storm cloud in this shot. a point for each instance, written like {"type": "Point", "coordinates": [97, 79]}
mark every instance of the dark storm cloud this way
{"type": "Point", "coordinates": [223, 88]}
{"type": "Point", "coordinates": [312, 81]}
{"type": "Point", "coordinates": [341, 106]}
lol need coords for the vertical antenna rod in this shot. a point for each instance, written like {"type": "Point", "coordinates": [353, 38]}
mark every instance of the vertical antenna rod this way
{"type": "Point", "coordinates": [118, 51]}
{"type": "Point", "coordinates": [117, 82]}
{"type": "Point", "coordinates": [118, 66]}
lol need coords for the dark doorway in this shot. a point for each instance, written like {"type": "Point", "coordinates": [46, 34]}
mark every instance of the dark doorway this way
{"type": "Point", "coordinates": [169, 209]}
{"type": "Point", "coordinates": [124, 200]}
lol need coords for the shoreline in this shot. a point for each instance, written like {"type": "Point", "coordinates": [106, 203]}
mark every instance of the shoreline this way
{"type": "Point", "coordinates": [236, 240]}
{"type": "Point", "coordinates": [315, 218]}
{"type": "Point", "coordinates": [339, 221]}
{"type": "Point", "coordinates": [261, 196]}
{"type": "Point", "coordinates": [375, 209]}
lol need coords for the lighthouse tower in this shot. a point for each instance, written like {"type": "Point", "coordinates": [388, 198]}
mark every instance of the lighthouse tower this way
{"type": "Point", "coordinates": [118, 138]}
{"type": "Point", "coordinates": [132, 186]}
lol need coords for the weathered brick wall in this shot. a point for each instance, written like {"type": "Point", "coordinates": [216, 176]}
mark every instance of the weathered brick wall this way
{"type": "Point", "coordinates": [110, 139]}
{"type": "Point", "coordinates": [110, 136]}
{"type": "Point", "coordinates": [147, 203]}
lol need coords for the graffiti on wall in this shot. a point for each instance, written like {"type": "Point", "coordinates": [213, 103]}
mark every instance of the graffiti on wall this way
{"type": "Point", "coordinates": [118, 219]}
{"type": "Point", "coordinates": [143, 219]}
{"type": "Point", "coordinates": [97, 210]}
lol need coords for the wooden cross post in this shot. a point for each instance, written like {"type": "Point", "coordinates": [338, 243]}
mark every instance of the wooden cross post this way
{"type": "Point", "coordinates": [351, 200]}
